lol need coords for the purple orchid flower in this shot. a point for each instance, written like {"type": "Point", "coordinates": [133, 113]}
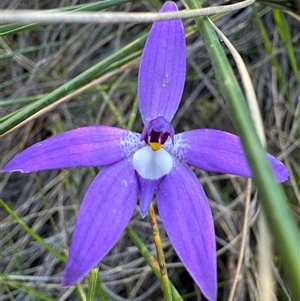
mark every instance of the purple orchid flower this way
{"type": "Point", "coordinates": [140, 166]}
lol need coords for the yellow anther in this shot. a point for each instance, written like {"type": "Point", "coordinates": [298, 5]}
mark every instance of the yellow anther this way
{"type": "Point", "coordinates": [155, 146]}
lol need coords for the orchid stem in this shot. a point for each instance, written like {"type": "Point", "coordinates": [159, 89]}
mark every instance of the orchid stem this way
{"type": "Point", "coordinates": [151, 261]}
{"type": "Point", "coordinates": [160, 254]}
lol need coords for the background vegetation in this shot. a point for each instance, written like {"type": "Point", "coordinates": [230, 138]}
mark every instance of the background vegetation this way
{"type": "Point", "coordinates": [42, 60]}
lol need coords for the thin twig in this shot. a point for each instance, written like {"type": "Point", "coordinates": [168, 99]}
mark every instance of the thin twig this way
{"type": "Point", "coordinates": [265, 280]}
{"type": "Point", "coordinates": [243, 243]}
{"type": "Point", "coordinates": [54, 17]}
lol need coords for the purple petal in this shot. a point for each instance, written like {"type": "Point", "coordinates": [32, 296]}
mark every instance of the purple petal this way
{"type": "Point", "coordinates": [147, 189]}
{"type": "Point", "coordinates": [218, 151]}
{"type": "Point", "coordinates": [86, 146]}
{"type": "Point", "coordinates": [162, 69]}
{"type": "Point", "coordinates": [186, 215]}
{"type": "Point", "coordinates": [104, 214]}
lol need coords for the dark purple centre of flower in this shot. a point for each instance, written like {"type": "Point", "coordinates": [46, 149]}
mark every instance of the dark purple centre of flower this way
{"type": "Point", "coordinates": [156, 133]}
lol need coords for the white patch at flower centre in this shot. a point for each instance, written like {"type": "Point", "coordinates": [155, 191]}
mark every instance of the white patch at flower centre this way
{"type": "Point", "coordinates": [151, 164]}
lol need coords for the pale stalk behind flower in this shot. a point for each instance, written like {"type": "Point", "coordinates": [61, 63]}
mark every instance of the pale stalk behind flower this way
{"type": "Point", "coordinates": [265, 275]}
{"type": "Point", "coordinates": [55, 17]}
{"type": "Point", "coordinates": [243, 242]}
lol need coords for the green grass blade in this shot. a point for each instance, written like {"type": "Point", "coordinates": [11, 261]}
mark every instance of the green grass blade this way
{"type": "Point", "coordinates": [21, 100]}
{"type": "Point", "coordinates": [6, 117]}
{"type": "Point", "coordinates": [24, 287]}
{"type": "Point", "coordinates": [281, 4]}
{"type": "Point", "coordinates": [80, 292]}
{"type": "Point", "coordinates": [114, 109]}
{"type": "Point", "coordinates": [269, 49]}
{"type": "Point", "coordinates": [15, 28]}
{"type": "Point", "coordinates": [286, 38]}
{"type": "Point", "coordinates": [30, 49]}
{"type": "Point", "coordinates": [32, 233]}
{"type": "Point", "coordinates": [94, 6]}
{"type": "Point", "coordinates": [77, 82]}
{"type": "Point", "coordinates": [92, 284]}
{"type": "Point", "coordinates": [133, 113]}
{"type": "Point", "coordinates": [275, 205]}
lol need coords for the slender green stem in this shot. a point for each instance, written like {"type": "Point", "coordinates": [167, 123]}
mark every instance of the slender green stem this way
{"type": "Point", "coordinates": [274, 202]}
{"type": "Point", "coordinates": [133, 113]}
{"type": "Point", "coordinates": [114, 109]}
{"type": "Point", "coordinates": [80, 292]}
{"type": "Point", "coordinates": [160, 254]}
{"type": "Point", "coordinates": [92, 284]}
{"type": "Point", "coordinates": [31, 232]}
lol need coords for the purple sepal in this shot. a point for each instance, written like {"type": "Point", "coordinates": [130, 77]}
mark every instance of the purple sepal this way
{"type": "Point", "coordinates": [187, 218]}
{"type": "Point", "coordinates": [106, 210]}
{"type": "Point", "coordinates": [86, 146]}
{"type": "Point", "coordinates": [219, 151]}
{"type": "Point", "coordinates": [162, 68]}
